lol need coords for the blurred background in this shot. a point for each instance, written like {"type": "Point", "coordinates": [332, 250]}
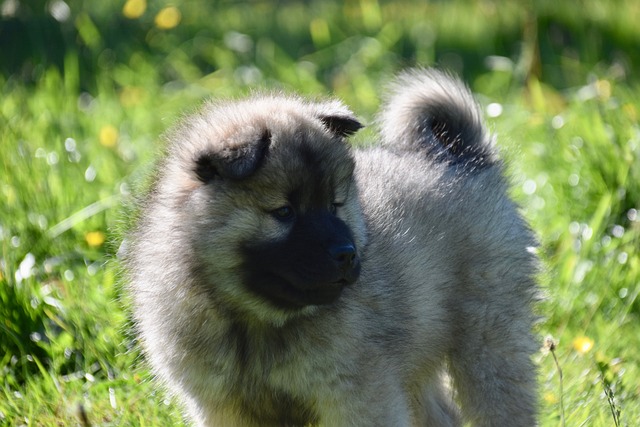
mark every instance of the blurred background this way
{"type": "Point", "coordinates": [87, 88]}
{"type": "Point", "coordinates": [314, 45]}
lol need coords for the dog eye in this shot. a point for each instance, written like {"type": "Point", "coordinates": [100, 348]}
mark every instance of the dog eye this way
{"type": "Point", "coordinates": [284, 213]}
{"type": "Point", "coordinates": [334, 207]}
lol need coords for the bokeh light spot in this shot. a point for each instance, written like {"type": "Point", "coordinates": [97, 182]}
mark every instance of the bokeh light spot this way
{"type": "Point", "coordinates": [134, 9]}
{"type": "Point", "coordinates": [108, 136]}
{"type": "Point", "coordinates": [168, 18]}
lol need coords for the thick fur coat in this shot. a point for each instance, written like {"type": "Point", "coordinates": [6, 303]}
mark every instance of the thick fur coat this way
{"type": "Point", "coordinates": [281, 277]}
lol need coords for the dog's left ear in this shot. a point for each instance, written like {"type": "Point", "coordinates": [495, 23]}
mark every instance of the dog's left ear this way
{"type": "Point", "coordinates": [341, 125]}
{"type": "Point", "coordinates": [233, 161]}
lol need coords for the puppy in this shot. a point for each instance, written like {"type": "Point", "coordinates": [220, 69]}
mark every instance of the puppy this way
{"type": "Point", "coordinates": [280, 277]}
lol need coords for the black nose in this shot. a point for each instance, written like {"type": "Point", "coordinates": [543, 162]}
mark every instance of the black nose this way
{"type": "Point", "coordinates": [344, 255]}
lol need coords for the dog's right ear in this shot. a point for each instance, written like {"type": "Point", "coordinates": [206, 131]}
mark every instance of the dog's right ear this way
{"type": "Point", "coordinates": [341, 125]}
{"type": "Point", "coordinates": [337, 118]}
{"type": "Point", "coordinates": [233, 163]}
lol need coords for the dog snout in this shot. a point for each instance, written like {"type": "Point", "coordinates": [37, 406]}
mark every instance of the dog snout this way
{"type": "Point", "coordinates": [343, 255]}
{"type": "Point", "coordinates": [346, 261]}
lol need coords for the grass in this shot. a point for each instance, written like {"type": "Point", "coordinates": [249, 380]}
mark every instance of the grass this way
{"type": "Point", "coordinates": [81, 118]}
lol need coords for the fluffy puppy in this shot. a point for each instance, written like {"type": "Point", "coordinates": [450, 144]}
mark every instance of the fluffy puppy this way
{"type": "Point", "coordinates": [281, 277]}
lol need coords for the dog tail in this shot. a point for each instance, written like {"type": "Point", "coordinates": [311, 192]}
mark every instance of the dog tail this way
{"type": "Point", "coordinates": [430, 111]}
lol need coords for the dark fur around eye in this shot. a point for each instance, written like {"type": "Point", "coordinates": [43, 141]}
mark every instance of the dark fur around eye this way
{"type": "Point", "coordinates": [334, 207]}
{"type": "Point", "coordinates": [284, 213]}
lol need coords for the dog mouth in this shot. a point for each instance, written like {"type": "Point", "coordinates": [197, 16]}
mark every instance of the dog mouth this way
{"type": "Point", "coordinates": [286, 294]}
{"type": "Point", "coordinates": [322, 294]}
{"type": "Point", "coordinates": [295, 276]}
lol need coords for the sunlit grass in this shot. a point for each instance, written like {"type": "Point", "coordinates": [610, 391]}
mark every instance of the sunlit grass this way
{"type": "Point", "coordinates": [74, 144]}
{"type": "Point", "coordinates": [579, 182]}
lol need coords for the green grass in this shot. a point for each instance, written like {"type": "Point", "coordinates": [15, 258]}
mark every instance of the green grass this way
{"type": "Point", "coordinates": [80, 121]}
{"type": "Point", "coordinates": [580, 182]}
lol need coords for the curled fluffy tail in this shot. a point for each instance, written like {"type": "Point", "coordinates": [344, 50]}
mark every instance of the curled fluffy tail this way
{"type": "Point", "coordinates": [433, 112]}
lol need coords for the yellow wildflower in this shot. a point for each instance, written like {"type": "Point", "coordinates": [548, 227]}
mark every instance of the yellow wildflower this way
{"type": "Point", "coordinates": [134, 9]}
{"type": "Point", "coordinates": [168, 18]}
{"type": "Point", "coordinates": [94, 238]}
{"type": "Point", "coordinates": [582, 345]}
{"type": "Point", "coordinates": [109, 136]}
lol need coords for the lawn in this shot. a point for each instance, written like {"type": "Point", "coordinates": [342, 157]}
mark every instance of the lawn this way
{"type": "Point", "coordinates": [88, 88]}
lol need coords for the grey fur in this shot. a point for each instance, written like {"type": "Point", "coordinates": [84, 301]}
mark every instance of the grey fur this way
{"type": "Point", "coordinates": [439, 117]}
{"type": "Point", "coordinates": [439, 318]}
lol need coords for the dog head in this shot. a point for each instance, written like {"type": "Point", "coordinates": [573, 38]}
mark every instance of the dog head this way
{"type": "Point", "coordinates": [268, 202]}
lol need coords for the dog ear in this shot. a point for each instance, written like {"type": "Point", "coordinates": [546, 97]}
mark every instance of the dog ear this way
{"type": "Point", "coordinates": [233, 163]}
{"type": "Point", "coordinates": [341, 125]}
{"type": "Point", "coordinates": [337, 118]}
